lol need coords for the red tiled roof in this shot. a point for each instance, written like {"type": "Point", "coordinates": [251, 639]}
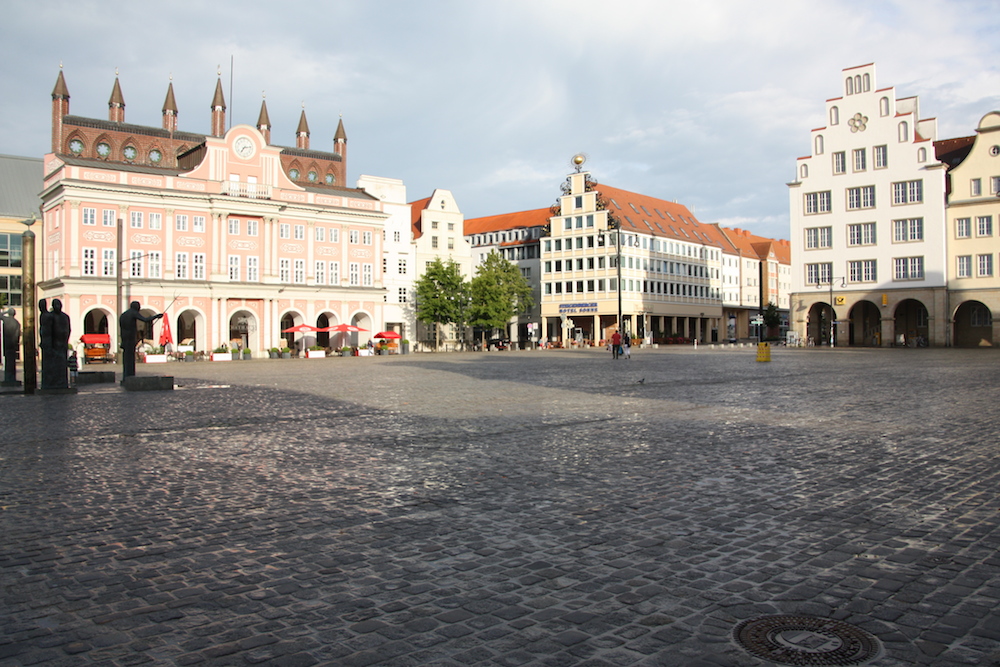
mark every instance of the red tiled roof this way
{"type": "Point", "coordinates": [751, 245]}
{"type": "Point", "coordinates": [415, 208]}
{"type": "Point", "coordinates": [649, 215]}
{"type": "Point", "coordinates": [538, 217]}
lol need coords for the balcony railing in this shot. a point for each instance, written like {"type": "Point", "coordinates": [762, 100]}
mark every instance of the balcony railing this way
{"type": "Point", "coordinates": [248, 190]}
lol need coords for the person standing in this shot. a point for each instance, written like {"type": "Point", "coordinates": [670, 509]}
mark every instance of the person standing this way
{"type": "Point", "coordinates": [627, 346]}
{"type": "Point", "coordinates": [616, 344]}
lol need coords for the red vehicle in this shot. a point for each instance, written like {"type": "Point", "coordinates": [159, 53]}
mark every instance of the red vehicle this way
{"type": "Point", "coordinates": [97, 348]}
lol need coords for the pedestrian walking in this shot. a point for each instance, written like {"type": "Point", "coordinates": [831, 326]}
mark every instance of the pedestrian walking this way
{"type": "Point", "coordinates": [616, 344]}
{"type": "Point", "coordinates": [627, 346]}
{"type": "Point", "coordinates": [74, 367]}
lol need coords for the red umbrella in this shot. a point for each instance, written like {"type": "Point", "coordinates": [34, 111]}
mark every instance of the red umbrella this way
{"type": "Point", "coordinates": [343, 328]}
{"type": "Point", "coordinates": [165, 335]}
{"type": "Point", "coordinates": [301, 328]}
{"type": "Point", "coordinates": [387, 334]}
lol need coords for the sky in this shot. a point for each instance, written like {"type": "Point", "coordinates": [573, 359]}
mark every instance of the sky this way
{"type": "Point", "coordinates": [706, 103]}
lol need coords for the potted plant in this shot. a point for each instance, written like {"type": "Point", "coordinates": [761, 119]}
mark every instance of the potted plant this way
{"type": "Point", "coordinates": [315, 352]}
{"type": "Point", "coordinates": [247, 354]}
{"type": "Point", "coordinates": [222, 353]}
{"type": "Point", "coordinates": [346, 351]}
{"type": "Point", "coordinates": [156, 356]}
{"type": "Point", "coordinates": [286, 353]}
{"type": "Point", "coordinates": [274, 353]}
{"type": "Point", "coordinates": [404, 346]}
{"type": "Point", "coordinates": [189, 355]}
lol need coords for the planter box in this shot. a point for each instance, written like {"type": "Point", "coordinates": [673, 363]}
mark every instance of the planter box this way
{"type": "Point", "coordinates": [286, 355]}
{"type": "Point", "coordinates": [156, 358]}
{"type": "Point", "coordinates": [315, 354]}
{"type": "Point", "coordinates": [222, 356]}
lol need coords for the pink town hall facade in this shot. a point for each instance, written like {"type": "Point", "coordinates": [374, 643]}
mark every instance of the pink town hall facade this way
{"type": "Point", "coordinates": [234, 238]}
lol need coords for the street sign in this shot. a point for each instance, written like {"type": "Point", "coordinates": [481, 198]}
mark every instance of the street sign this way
{"type": "Point", "coordinates": [757, 320]}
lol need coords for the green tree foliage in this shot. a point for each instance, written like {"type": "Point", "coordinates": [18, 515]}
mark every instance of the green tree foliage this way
{"type": "Point", "coordinates": [772, 320]}
{"type": "Point", "coordinates": [499, 292]}
{"type": "Point", "coordinates": [442, 295]}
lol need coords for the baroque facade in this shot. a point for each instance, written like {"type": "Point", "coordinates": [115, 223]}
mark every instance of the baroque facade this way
{"type": "Point", "coordinates": [234, 238]}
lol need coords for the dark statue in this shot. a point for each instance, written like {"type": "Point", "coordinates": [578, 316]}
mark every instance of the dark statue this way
{"type": "Point", "coordinates": [128, 324]}
{"type": "Point", "coordinates": [53, 335]}
{"type": "Point", "coordinates": [11, 341]}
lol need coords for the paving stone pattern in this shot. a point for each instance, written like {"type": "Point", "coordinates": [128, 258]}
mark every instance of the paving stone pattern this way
{"type": "Point", "coordinates": [514, 508]}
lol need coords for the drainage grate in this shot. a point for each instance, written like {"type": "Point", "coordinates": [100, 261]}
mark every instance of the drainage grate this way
{"type": "Point", "coordinates": [805, 640]}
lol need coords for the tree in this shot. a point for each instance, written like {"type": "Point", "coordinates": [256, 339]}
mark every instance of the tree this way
{"type": "Point", "coordinates": [442, 296]}
{"type": "Point", "coordinates": [498, 293]}
{"type": "Point", "coordinates": [772, 319]}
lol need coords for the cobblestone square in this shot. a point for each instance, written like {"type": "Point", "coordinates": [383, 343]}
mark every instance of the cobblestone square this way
{"type": "Point", "coordinates": [513, 508]}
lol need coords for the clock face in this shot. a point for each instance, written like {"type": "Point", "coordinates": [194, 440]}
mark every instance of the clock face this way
{"type": "Point", "coordinates": [103, 149]}
{"type": "Point", "coordinates": [129, 152]}
{"type": "Point", "coordinates": [76, 146]}
{"type": "Point", "coordinates": [244, 147]}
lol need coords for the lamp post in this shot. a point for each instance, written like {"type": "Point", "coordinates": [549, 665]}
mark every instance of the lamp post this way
{"type": "Point", "coordinates": [28, 305]}
{"type": "Point", "coordinates": [833, 314]}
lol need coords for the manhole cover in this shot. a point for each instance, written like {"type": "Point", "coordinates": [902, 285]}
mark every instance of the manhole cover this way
{"type": "Point", "coordinates": [805, 640]}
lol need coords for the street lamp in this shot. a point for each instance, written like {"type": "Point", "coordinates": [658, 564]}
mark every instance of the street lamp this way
{"type": "Point", "coordinates": [833, 313]}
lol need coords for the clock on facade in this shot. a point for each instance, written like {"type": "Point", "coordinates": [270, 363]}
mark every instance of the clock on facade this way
{"type": "Point", "coordinates": [244, 147]}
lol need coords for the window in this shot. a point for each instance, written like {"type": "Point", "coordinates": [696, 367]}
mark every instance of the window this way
{"type": "Point", "coordinates": [985, 264]}
{"type": "Point", "coordinates": [234, 227]}
{"type": "Point", "coordinates": [234, 267]}
{"type": "Point", "coordinates": [904, 132]}
{"type": "Point", "coordinates": [860, 159]}
{"type": "Point", "coordinates": [253, 269]}
{"type": "Point", "coordinates": [401, 295]}
{"type": "Point", "coordinates": [911, 229]}
{"type": "Point", "coordinates": [198, 266]}
{"type": "Point", "coordinates": [198, 223]}
{"type": "Point", "coordinates": [284, 230]}
{"type": "Point", "coordinates": [89, 262]}
{"type": "Point", "coordinates": [881, 157]}
{"type": "Point", "coordinates": [319, 233]}
{"type": "Point", "coordinates": [353, 273]}
{"type": "Point", "coordinates": [155, 220]}
{"type": "Point", "coordinates": [367, 275]}
{"type": "Point", "coordinates": [839, 162]}
{"type": "Point", "coordinates": [90, 216]}
{"type": "Point", "coordinates": [862, 271]}
{"type": "Point", "coordinates": [285, 270]}
{"type": "Point", "coordinates": [819, 237]}
{"type": "Point", "coordinates": [817, 202]}
{"type": "Point", "coordinates": [908, 192]}
{"type": "Point", "coordinates": [108, 262]}
{"type": "Point", "coordinates": [181, 265]}
{"type": "Point", "coordinates": [135, 263]}
{"type": "Point", "coordinates": [819, 274]}
{"type": "Point", "coordinates": [366, 237]}
{"type": "Point", "coordinates": [334, 273]}
{"type": "Point", "coordinates": [334, 235]}
{"type": "Point", "coordinates": [863, 197]}
{"type": "Point", "coordinates": [402, 267]}
{"type": "Point", "coordinates": [908, 268]}
{"type": "Point", "coordinates": [252, 227]}
{"type": "Point", "coordinates": [980, 316]}
{"type": "Point", "coordinates": [984, 225]}
{"type": "Point", "coordinates": [834, 116]}
{"type": "Point", "coordinates": [135, 219]}
{"type": "Point", "coordinates": [353, 236]}
{"type": "Point", "coordinates": [108, 218]}
{"type": "Point", "coordinates": [819, 144]}
{"type": "Point", "coordinates": [434, 241]}
{"type": "Point", "coordinates": [861, 234]}
{"type": "Point", "coordinates": [155, 264]}
{"type": "Point", "coordinates": [964, 267]}
{"type": "Point", "coordinates": [451, 243]}
{"type": "Point", "coordinates": [963, 227]}
{"type": "Point", "coordinates": [319, 270]}
{"type": "Point", "coordinates": [10, 288]}
{"type": "Point", "coordinates": [181, 223]}
{"type": "Point", "coordinates": [976, 187]}
{"type": "Point", "coordinates": [396, 236]}
{"type": "Point", "coordinates": [300, 271]}
{"type": "Point", "coordinates": [883, 106]}
{"type": "Point", "coordinates": [995, 185]}
{"type": "Point", "coordinates": [300, 232]}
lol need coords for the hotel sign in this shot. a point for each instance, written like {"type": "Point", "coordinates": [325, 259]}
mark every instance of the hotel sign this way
{"type": "Point", "coordinates": [572, 308]}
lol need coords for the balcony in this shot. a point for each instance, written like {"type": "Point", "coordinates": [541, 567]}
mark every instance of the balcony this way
{"type": "Point", "coordinates": [248, 190]}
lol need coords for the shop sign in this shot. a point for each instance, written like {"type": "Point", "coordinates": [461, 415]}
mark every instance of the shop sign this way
{"type": "Point", "coordinates": [572, 308]}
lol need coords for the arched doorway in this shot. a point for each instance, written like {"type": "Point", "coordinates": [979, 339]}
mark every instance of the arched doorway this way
{"type": "Point", "coordinates": [243, 330]}
{"type": "Point", "coordinates": [865, 324]}
{"type": "Point", "coordinates": [96, 321]}
{"type": "Point", "coordinates": [323, 337]}
{"type": "Point", "coordinates": [973, 325]}
{"type": "Point", "coordinates": [910, 323]}
{"type": "Point", "coordinates": [362, 321]}
{"type": "Point", "coordinates": [186, 329]}
{"type": "Point", "coordinates": [821, 315]}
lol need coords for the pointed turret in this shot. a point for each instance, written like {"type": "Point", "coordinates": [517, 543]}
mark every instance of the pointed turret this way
{"type": "Point", "coordinates": [170, 110]}
{"type": "Point", "coordinates": [302, 133]}
{"type": "Point", "coordinates": [60, 108]}
{"type": "Point", "coordinates": [116, 105]}
{"type": "Point", "coordinates": [264, 122]}
{"type": "Point", "coordinates": [218, 111]}
{"type": "Point", "coordinates": [340, 140]}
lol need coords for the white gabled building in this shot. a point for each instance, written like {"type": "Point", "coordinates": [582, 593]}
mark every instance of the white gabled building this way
{"type": "Point", "coordinates": [868, 231]}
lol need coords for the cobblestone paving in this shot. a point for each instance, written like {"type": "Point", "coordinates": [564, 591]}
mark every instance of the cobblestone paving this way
{"type": "Point", "coordinates": [524, 508]}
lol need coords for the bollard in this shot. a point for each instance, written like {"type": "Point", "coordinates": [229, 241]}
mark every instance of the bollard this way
{"type": "Point", "coordinates": [763, 352]}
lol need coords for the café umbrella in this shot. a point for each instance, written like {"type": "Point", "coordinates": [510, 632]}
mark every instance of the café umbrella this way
{"type": "Point", "coordinates": [343, 328]}
{"type": "Point", "coordinates": [301, 328]}
{"type": "Point", "coordinates": [388, 334]}
{"type": "Point", "coordinates": [165, 336]}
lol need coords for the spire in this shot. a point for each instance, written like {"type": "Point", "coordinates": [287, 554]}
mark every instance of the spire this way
{"type": "Point", "coordinates": [218, 109]}
{"type": "Point", "coordinates": [264, 121]}
{"type": "Point", "coordinates": [116, 105]}
{"type": "Point", "coordinates": [341, 135]}
{"type": "Point", "coordinates": [302, 133]}
{"type": "Point", "coordinates": [60, 108]}
{"type": "Point", "coordinates": [170, 109]}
